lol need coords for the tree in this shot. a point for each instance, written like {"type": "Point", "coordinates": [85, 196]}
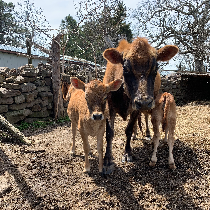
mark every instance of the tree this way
{"type": "Point", "coordinates": [6, 22]}
{"type": "Point", "coordinates": [181, 22]}
{"type": "Point", "coordinates": [33, 23]}
{"type": "Point", "coordinates": [71, 41]}
{"type": "Point", "coordinates": [101, 24]}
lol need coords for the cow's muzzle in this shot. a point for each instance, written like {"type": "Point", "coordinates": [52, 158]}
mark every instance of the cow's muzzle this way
{"type": "Point", "coordinates": [146, 104]}
{"type": "Point", "coordinates": [97, 116]}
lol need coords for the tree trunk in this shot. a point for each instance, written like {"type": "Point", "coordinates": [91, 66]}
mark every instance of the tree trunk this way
{"type": "Point", "coordinates": [28, 45]}
{"type": "Point", "coordinates": [14, 131]}
{"type": "Point", "coordinates": [56, 80]}
{"type": "Point", "coordinates": [199, 67]}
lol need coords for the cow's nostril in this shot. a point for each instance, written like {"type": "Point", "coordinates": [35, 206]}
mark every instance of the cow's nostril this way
{"type": "Point", "coordinates": [97, 116]}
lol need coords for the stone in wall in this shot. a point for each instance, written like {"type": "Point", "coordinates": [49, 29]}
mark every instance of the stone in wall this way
{"type": "Point", "coordinates": [6, 100]}
{"type": "Point", "coordinates": [20, 99]}
{"type": "Point", "coordinates": [4, 71]}
{"type": "Point", "coordinates": [36, 108]}
{"type": "Point", "coordinates": [11, 86]}
{"type": "Point", "coordinates": [31, 96]}
{"type": "Point", "coordinates": [2, 78]}
{"type": "Point", "coordinates": [27, 87]}
{"type": "Point", "coordinates": [41, 114]}
{"type": "Point", "coordinates": [3, 108]}
{"type": "Point", "coordinates": [16, 116]}
{"type": "Point", "coordinates": [5, 93]}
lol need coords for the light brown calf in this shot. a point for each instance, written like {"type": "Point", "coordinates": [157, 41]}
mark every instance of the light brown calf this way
{"type": "Point", "coordinates": [88, 110]}
{"type": "Point", "coordinates": [165, 113]}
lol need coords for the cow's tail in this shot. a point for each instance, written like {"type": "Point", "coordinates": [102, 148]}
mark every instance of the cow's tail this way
{"type": "Point", "coordinates": [165, 99]}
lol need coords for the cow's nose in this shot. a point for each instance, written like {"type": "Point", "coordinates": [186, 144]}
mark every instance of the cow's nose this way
{"type": "Point", "coordinates": [97, 116]}
{"type": "Point", "coordinates": [144, 104]}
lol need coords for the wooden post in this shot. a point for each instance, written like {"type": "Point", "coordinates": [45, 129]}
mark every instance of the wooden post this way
{"type": "Point", "coordinates": [56, 80]}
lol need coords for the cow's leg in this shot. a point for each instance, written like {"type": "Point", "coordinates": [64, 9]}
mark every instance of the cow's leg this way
{"type": "Point", "coordinates": [139, 123]}
{"type": "Point", "coordinates": [100, 149]}
{"type": "Point", "coordinates": [156, 137]}
{"type": "Point", "coordinates": [108, 166]}
{"type": "Point", "coordinates": [74, 132]}
{"type": "Point", "coordinates": [147, 124]}
{"type": "Point", "coordinates": [128, 131]}
{"type": "Point", "coordinates": [171, 144]}
{"type": "Point", "coordinates": [135, 128]}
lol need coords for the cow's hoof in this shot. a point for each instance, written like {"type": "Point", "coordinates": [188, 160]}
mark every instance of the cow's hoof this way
{"type": "Point", "coordinates": [152, 163]}
{"type": "Point", "coordinates": [108, 169]}
{"type": "Point", "coordinates": [172, 166]}
{"type": "Point", "coordinates": [127, 158]}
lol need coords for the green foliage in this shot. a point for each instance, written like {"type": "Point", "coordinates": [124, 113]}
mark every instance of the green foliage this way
{"type": "Point", "coordinates": [6, 20]}
{"type": "Point", "coordinates": [41, 124]}
{"type": "Point", "coordinates": [87, 38]}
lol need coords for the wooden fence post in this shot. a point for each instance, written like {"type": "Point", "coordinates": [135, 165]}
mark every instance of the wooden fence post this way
{"type": "Point", "coordinates": [56, 78]}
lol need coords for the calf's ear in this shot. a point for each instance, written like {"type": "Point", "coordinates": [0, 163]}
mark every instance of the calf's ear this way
{"type": "Point", "coordinates": [114, 85]}
{"type": "Point", "coordinates": [113, 55]}
{"type": "Point", "coordinates": [78, 84]}
{"type": "Point", "coordinates": [167, 52]}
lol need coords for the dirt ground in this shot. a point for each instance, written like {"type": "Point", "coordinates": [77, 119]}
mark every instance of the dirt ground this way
{"type": "Point", "coordinates": [45, 176]}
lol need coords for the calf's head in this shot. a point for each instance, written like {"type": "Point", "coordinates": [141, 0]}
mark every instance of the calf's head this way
{"type": "Point", "coordinates": [96, 95]}
{"type": "Point", "coordinates": [139, 61]}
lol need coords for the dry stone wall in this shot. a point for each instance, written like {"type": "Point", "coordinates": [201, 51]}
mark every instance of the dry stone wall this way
{"type": "Point", "coordinates": [177, 86]}
{"type": "Point", "coordinates": [26, 93]}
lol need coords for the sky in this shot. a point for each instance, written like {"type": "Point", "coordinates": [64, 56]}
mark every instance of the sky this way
{"type": "Point", "coordinates": [56, 10]}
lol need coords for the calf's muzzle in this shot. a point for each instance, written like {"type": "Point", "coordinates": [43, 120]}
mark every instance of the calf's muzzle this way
{"type": "Point", "coordinates": [97, 116]}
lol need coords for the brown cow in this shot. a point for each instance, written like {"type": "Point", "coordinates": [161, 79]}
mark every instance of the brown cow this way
{"type": "Point", "coordinates": [136, 64]}
{"type": "Point", "coordinates": [88, 111]}
{"type": "Point", "coordinates": [165, 113]}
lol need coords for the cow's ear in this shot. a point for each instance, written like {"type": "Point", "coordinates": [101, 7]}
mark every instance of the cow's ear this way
{"type": "Point", "coordinates": [114, 85]}
{"type": "Point", "coordinates": [78, 84]}
{"type": "Point", "coordinates": [113, 55]}
{"type": "Point", "coordinates": [167, 52]}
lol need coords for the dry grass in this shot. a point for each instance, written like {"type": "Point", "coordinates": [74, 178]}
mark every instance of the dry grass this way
{"type": "Point", "coordinates": [45, 176]}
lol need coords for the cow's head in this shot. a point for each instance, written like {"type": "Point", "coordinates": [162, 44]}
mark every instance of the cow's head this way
{"type": "Point", "coordinates": [96, 95]}
{"type": "Point", "coordinates": [139, 60]}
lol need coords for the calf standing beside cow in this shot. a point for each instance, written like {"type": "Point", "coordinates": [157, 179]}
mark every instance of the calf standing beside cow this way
{"type": "Point", "coordinates": [136, 65]}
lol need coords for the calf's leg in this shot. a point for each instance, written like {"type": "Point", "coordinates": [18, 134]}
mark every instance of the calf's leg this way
{"type": "Point", "coordinates": [100, 150]}
{"type": "Point", "coordinates": [86, 148]}
{"type": "Point", "coordinates": [74, 132]}
{"type": "Point", "coordinates": [171, 144]}
{"type": "Point", "coordinates": [156, 137]}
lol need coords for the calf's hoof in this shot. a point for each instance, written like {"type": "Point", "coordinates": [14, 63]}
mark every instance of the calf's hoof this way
{"type": "Point", "coordinates": [152, 163]}
{"type": "Point", "coordinates": [72, 153]}
{"type": "Point", "coordinates": [127, 158]}
{"type": "Point", "coordinates": [172, 166]}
